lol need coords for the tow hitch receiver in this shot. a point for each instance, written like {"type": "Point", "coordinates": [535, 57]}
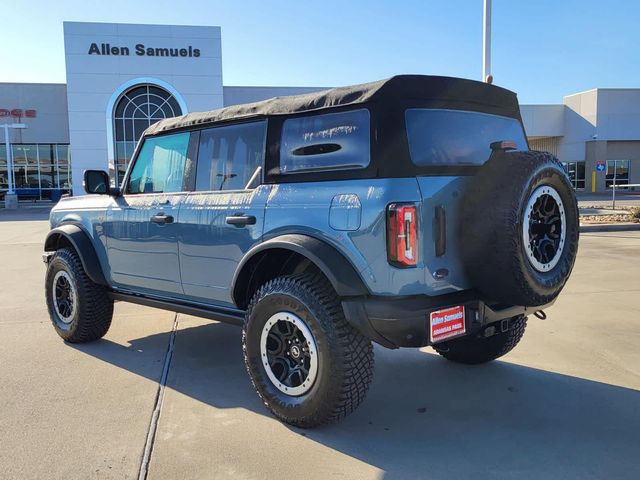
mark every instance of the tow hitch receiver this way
{"type": "Point", "coordinates": [491, 330]}
{"type": "Point", "coordinates": [504, 325]}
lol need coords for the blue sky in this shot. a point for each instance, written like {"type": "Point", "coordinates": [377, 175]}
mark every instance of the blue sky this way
{"type": "Point", "coordinates": [542, 49]}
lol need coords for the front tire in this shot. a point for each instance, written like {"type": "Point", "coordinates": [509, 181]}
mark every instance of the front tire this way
{"type": "Point", "coordinates": [80, 310]}
{"type": "Point", "coordinates": [307, 363]}
{"type": "Point", "coordinates": [475, 350]}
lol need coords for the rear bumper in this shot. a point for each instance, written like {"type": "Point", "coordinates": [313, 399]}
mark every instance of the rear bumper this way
{"type": "Point", "coordinates": [395, 322]}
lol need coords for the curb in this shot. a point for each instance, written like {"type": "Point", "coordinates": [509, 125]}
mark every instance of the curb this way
{"type": "Point", "coordinates": [610, 227]}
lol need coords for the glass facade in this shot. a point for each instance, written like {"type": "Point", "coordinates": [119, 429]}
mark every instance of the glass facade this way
{"type": "Point", "coordinates": [576, 173]}
{"type": "Point", "coordinates": [4, 179]}
{"type": "Point", "coordinates": [41, 171]}
{"type": "Point", "coordinates": [621, 170]}
{"type": "Point", "coordinates": [134, 112]}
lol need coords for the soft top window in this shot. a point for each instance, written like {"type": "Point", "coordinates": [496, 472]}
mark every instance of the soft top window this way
{"type": "Point", "coordinates": [457, 137]}
{"type": "Point", "coordinates": [325, 142]}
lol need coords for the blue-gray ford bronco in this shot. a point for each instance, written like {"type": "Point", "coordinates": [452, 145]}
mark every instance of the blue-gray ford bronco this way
{"type": "Point", "coordinates": [409, 212]}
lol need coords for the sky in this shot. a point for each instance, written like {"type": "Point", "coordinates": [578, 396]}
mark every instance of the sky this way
{"type": "Point", "coordinates": [542, 49]}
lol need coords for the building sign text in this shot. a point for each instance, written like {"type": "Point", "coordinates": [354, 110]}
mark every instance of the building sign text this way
{"type": "Point", "coordinates": [18, 112]}
{"type": "Point", "coordinates": [142, 50]}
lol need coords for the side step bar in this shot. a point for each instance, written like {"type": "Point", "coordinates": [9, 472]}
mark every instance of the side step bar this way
{"type": "Point", "coordinates": [233, 316]}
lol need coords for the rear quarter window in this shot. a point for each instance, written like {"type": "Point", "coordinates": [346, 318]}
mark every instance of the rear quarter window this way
{"type": "Point", "coordinates": [457, 137]}
{"type": "Point", "coordinates": [325, 142]}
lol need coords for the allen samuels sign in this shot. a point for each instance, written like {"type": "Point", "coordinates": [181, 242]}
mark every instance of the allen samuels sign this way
{"type": "Point", "coordinates": [142, 50]}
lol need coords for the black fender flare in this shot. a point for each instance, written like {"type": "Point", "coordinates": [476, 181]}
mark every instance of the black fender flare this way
{"type": "Point", "coordinates": [334, 265]}
{"type": "Point", "coordinates": [82, 244]}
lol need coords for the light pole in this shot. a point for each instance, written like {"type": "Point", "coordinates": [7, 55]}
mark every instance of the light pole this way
{"type": "Point", "coordinates": [486, 44]}
{"type": "Point", "coordinates": [615, 174]}
{"type": "Point", "coordinates": [10, 199]}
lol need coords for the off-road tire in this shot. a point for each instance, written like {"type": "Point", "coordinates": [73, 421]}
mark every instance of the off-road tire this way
{"type": "Point", "coordinates": [345, 357]}
{"type": "Point", "coordinates": [476, 350]}
{"type": "Point", "coordinates": [491, 228]}
{"type": "Point", "coordinates": [93, 310]}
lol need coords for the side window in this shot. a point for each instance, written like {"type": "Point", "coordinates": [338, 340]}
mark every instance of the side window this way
{"type": "Point", "coordinates": [161, 165]}
{"type": "Point", "coordinates": [229, 157]}
{"type": "Point", "coordinates": [325, 142]}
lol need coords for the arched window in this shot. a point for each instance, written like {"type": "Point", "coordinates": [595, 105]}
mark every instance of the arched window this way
{"type": "Point", "coordinates": [135, 110]}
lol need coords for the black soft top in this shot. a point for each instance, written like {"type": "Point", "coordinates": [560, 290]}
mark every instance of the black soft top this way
{"type": "Point", "coordinates": [383, 95]}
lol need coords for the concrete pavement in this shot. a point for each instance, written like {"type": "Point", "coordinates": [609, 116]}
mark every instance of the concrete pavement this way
{"type": "Point", "coordinates": [564, 404]}
{"type": "Point", "coordinates": [65, 412]}
{"type": "Point", "coordinates": [605, 200]}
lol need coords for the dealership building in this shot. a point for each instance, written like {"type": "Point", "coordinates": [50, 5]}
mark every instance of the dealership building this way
{"type": "Point", "coordinates": [121, 78]}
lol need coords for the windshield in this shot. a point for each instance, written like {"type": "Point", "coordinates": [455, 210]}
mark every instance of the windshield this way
{"type": "Point", "coordinates": [457, 137]}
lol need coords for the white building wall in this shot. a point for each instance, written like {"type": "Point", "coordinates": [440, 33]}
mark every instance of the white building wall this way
{"type": "Point", "coordinates": [618, 115]}
{"type": "Point", "coordinates": [609, 114]}
{"type": "Point", "coordinates": [239, 95]}
{"type": "Point", "coordinates": [543, 120]}
{"type": "Point", "coordinates": [579, 125]}
{"type": "Point", "coordinates": [49, 100]}
{"type": "Point", "coordinates": [94, 81]}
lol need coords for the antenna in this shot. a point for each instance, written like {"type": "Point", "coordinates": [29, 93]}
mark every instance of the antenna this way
{"type": "Point", "coordinates": [486, 44]}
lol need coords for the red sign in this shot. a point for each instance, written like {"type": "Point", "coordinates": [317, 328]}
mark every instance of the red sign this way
{"type": "Point", "coordinates": [446, 323]}
{"type": "Point", "coordinates": [18, 113]}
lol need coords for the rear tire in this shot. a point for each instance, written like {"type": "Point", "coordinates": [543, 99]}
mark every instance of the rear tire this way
{"type": "Point", "coordinates": [476, 350]}
{"type": "Point", "coordinates": [80, 310]}
{"type": "Point", "coordinates": [297, 315]}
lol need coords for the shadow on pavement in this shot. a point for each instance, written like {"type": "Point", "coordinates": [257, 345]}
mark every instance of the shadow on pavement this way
{"type": "Point", "coordinates": [24, 214]}
{"type": "Point", "coordinates": [426, 417]}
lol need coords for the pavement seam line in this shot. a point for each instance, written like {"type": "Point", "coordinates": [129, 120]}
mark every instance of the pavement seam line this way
{"type": "Point", "coordinates": [155, 416]}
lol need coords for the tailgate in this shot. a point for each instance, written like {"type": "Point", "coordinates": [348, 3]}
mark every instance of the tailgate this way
{"type": "Point", "coordinates": [440, 232]}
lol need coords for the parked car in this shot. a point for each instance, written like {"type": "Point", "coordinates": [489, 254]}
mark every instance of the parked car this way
{"type": "Point", "coordinates": [406, 212]}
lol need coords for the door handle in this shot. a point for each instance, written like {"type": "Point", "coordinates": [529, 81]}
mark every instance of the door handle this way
{"type": "Point", "coordinates": [162, 219]}
{"type": "Point", "coordinates": [240, 220]}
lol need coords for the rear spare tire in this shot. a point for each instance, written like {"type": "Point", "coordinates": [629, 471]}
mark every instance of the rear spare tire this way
{"type": "Point", "coordinates": [519, 228]}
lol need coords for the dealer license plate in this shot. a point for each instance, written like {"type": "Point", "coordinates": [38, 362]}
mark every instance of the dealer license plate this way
{"type": "Point", "coordinates": [446, 323]}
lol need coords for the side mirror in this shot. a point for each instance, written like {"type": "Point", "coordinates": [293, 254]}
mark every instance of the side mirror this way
{"type": "Point", "coordinates": [96, 181]}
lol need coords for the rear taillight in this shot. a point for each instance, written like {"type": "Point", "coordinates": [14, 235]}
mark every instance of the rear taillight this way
{"type": "Point", "coordinates": [402, 228]}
